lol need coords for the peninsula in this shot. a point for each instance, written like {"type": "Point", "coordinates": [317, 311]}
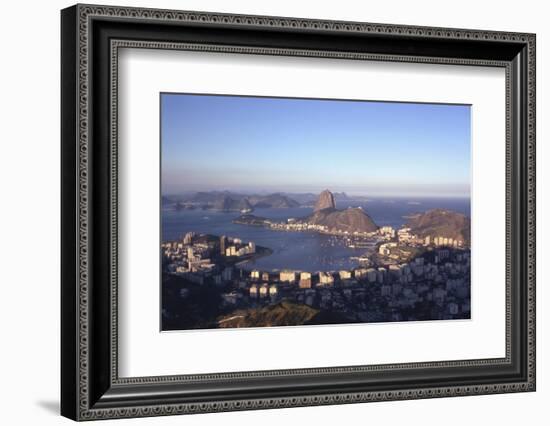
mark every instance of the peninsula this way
{"type": "Point", "coordinates": [326, 218]}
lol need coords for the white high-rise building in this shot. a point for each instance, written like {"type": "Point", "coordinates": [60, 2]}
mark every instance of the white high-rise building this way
{"type": "Point", "coordinates": [326, 278]}
{"type": "Point", "coordinates": [287, 276]}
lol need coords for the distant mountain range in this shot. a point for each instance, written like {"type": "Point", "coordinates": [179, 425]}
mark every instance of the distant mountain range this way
{"type": "Point", "coordinates": [273, 200]}
{"type": "Point", "coordinates": [228, 201]}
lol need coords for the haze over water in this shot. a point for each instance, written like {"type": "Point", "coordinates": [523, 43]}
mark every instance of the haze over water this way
{"type": "Point", "coordinates": [303, 251]}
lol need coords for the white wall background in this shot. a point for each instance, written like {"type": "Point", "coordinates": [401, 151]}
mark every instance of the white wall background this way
{"type": "Point", "coordinates": [29, 225]}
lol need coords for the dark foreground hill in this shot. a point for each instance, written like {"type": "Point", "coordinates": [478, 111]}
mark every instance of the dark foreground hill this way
{"type": "Point", "coordinates": [284, 313]}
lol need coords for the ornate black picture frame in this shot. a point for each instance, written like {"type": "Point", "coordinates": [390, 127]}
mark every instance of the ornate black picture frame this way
{"type": "Point", "coordinates": [90, 38]}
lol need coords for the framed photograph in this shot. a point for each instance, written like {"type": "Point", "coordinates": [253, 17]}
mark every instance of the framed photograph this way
{"type": "Point", "coordinates": [263, 212]}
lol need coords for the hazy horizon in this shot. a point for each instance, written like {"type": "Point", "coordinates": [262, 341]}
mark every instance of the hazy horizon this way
{"type": "Point", "coordinates": [352, 193]}
{"type": "Point", "coordinates": [267, 145]}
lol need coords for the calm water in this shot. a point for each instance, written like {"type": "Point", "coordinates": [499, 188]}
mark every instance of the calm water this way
{"type": "Point", "coordinates": [300, 250]}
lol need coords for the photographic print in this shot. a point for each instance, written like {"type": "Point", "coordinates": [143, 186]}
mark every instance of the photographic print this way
{"type": "Point", "coordinates": [301, 212]}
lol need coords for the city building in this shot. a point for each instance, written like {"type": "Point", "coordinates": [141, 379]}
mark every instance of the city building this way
{"type": "Point", "coordinates": [385, 249]}
{"type": "Point", "coordinates": [200, 264]}
{"type": "Point", "coordinates": [227, 274]}
{"type": "Point", "coordinates": [387, 231]}
{"type": "Point", "coordinates": [360, 273]}
{"type": "Point", "coordinates": [371, 275]}
{"type": "Point", "coordinates": [325, 278]}
{"type": "Point", "coordinates": [305, 276]}
{"type": "Point", "coordinates": [223, 243]}
{"type": "Point", "coordinates": [395, 270]}
{"type": "Point", "coordinates": [231, 251]}
{"type": "Point", "coordinates": [345, 275]}
{"type": "Point", "coordinates": [181, 269]}
{"type": "Point", "coordinates": [404, 235]}
{"type": "Point", "coordinates": [381, 275]}
{"type": "Point", "coordinates": [188, 238]}
{"type": "Point", "coordinates": [305, 283]}
{"type": "Point", "coordinates": [287, 276]}
{"type": "Point", "coordinates": [264, 289]}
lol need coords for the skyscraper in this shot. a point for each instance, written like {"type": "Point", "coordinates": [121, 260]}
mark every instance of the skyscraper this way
{"type": "Point", "coordinates": [223, 240]}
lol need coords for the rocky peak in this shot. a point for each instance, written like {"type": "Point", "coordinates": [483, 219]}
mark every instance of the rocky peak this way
{"type": "Point", "coordinates": [325, 201]}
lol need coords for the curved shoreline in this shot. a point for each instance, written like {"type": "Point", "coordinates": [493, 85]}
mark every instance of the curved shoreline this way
{"type": "Point", "coordinates": [266, 251]}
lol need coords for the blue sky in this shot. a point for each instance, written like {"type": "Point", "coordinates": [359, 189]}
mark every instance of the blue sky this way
{"type": "Point", "coordinates": [255, 144]}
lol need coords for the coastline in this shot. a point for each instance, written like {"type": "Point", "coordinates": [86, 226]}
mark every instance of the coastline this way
{"type": "Point", "coordinates": [266, 251]}
{"type": "Point", "coordinates": [298, 226]}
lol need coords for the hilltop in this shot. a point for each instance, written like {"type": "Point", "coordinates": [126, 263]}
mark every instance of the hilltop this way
{"type": "Point", "coordinates": [441, 223]}
{"type": "Point", "coordinates": [325, 201]}
{"type": "Point", "coordinates": [350, 219]}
